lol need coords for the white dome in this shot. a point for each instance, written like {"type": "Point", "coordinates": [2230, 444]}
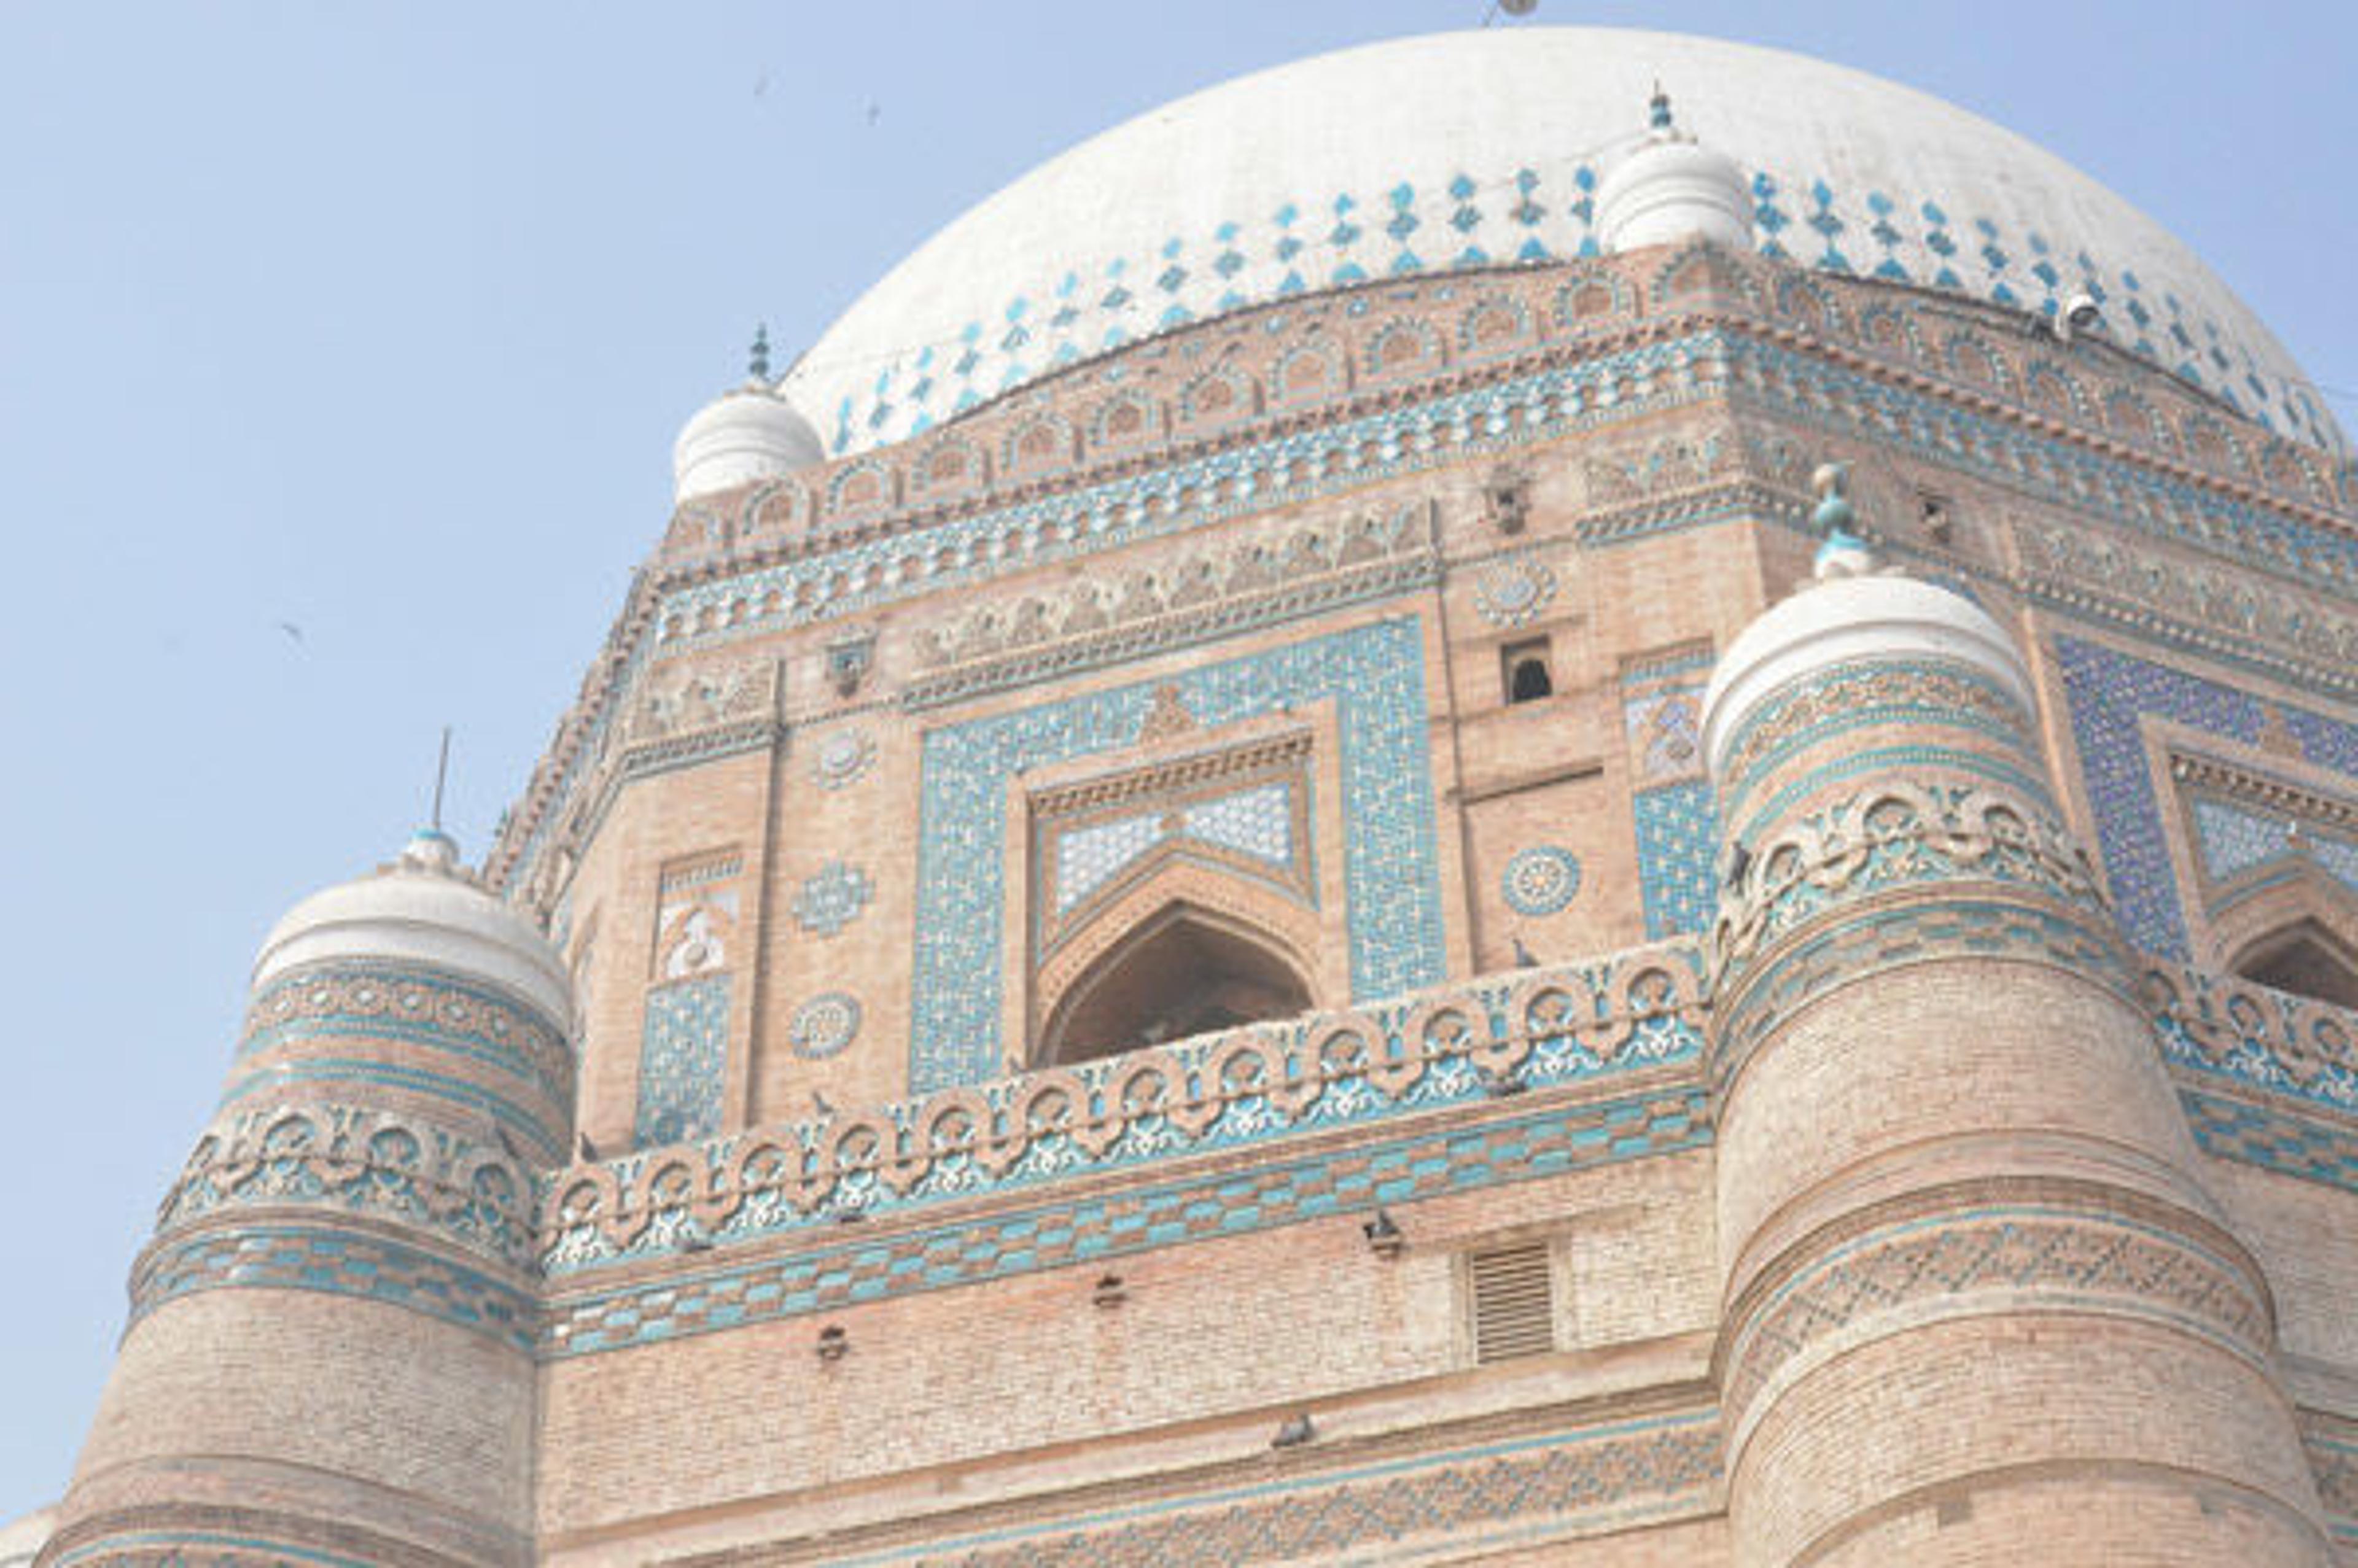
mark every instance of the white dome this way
{"type": "Point", "coordinates": [422, 908]}
{"type": "Point", "coordinates": [749, 434]}
{"type": "Point", "coordinates": [1488, 146]}
{"type": "Point", "coordinates": [1673, 189]}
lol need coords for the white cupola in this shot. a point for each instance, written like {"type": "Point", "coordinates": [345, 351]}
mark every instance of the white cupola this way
{"type": "Point", "coordinates": [423, 908]}
{"type": "Point", "coordinates": [747, 433]}
{"type": "Point", "coordinates": [1672, 187]}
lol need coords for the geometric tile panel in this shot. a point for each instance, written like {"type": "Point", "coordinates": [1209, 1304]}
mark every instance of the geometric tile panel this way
{"type": "Point", "coordinates": [1258, 822]}
{"type": "Point", "coordinates": [2110, 694]}
{"type": "Point", "coordinates": [1374, 675]}
{"type": "Point", "coordinates": [1678, 836]}
{"type": "Point", "coordinates": [683, 1062]}
{"type": "Point", "coordinates": [2236, 837]}
{"type": "Point", "coordinates": [832, 898]}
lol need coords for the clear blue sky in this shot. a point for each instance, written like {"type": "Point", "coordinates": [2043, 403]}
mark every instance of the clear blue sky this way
{"type": "Point", "coordinates": [378, 320]}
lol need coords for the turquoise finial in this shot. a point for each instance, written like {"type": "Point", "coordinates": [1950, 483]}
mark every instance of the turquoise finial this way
{"type": "Point", "coordinates": [1841, 551]}
{"type": "Point", "coordinates": [758, 362]}
{"type": "Point", "coordinates": [1658, 114]}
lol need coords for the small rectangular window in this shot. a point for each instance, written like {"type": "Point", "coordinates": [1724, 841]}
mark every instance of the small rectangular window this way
{"type": "Point", "coordinates": [1513, 1300]}
{"type": "Point", "coordinates": [1523, 669]}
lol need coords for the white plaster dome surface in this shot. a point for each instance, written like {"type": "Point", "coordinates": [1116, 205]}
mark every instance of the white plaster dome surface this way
{"type": "Point", "coordinates": [422, 908]}
{"type": "Point", "coordinates": [1845, 620]}
{"type": "Point", "coordinates": [749, 434]}
{"type": "Point", "coordinates": [1423, 155]}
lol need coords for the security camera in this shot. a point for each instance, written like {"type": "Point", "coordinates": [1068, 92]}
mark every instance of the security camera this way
{"type": "Point", "coordinates": [2079, 317]}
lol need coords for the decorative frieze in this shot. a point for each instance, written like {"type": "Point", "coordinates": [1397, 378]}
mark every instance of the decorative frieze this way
{"type": "Point", "coordinates": [1535, 1028]}
{"type": "Point", "coordinates": [1992, 1258]}
{"type": "Point", "coordinates": [350, 1160]}
{"type": "Point", "coordinates": [2214, 608]}
{"type": "Point", "coordinates": [1897, 834]}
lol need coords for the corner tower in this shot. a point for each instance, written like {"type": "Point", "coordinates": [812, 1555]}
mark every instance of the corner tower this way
{"type": "Point", "coordinates": [328, 1356]}
{"type": "Point", "coordinates": [1978, 1308]}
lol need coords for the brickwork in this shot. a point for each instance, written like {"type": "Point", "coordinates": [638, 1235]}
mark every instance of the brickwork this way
{"type": "Point", "coordinates": [1945, 1299]}
{"type": "Point", "coordinates": [1911, 1186]}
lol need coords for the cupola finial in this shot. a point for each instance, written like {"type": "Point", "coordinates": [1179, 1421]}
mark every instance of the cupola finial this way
{"type": "Point", "coordinates": [1658, 117]}
{"type": "Point", "coordinates": [1841, 551]}
{"type": "Point", "coordinates": [757, 362]}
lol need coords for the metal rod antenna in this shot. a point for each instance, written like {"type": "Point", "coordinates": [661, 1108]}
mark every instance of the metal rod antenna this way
{"type": "Point", "coordinates": [441, 772]}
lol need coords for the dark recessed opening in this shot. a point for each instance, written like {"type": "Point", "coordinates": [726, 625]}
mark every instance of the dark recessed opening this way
{"type": "Point", "coordinates": [2307, 961]}
{"type": "Point", "coordinates": [1184, 973]}
{"type": "Point", "coordinates": [1525, 669]}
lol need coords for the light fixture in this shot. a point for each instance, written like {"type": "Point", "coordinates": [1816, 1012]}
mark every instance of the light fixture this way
{"type": "Point", "coordinates": [1385, 1237]}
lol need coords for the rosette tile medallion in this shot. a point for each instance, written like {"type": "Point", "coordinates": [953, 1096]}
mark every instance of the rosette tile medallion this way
{"type": "Point", "coordinates": [977, 1042]}
{"type": "Point", "coordinates": [824, 1025]}
{"type": "Point", "coordinates": [1540, 880]}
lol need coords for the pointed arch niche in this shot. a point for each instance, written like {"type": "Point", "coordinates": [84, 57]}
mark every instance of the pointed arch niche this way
{"type": "Point", "coordinates": [2277, 869]}
{"type": "Point", "coordinates": [1173, 899]}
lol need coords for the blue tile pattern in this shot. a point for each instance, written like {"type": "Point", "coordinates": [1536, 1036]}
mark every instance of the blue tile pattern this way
{"type": "Point", "coordinates": [335, 1074]}
{"type": "Point", "coordinates": [2310, 1149]}
{"type": "Point", "coordinates": [1259, 258]}
{"type": "Point", "coordinates": [1678, 835]}
{"type": "Point", "coordinates": [2234, 837]}
{"type": "Point", "coordinates": [337, 1262]}
{"type": "Point", "coordinates": [1540, 880]}
{"type": "Point", "coordinates": [1374, 675]}
{"type": "Point", "coordinates": [683, 1061]}
{"type": "Point", "coordinates": [861, 572]}
{"type": "Point", "coordinates": [2110, 694]}
{"type": "Point", "coordinates": [824, 1025]}
{"type": "Point", "coordinates": [832, 898]}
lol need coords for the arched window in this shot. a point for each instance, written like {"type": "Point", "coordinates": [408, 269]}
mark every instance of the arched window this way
{"type": "Point", "coordinates": [1185, 971]}
{"type": "Point", "coordinates": [1524, 666]}
{"type": "Point", "coordinates": [2305, 958]}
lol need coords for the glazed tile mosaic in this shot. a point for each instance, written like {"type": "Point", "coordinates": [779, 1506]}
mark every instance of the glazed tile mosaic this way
{"type": "Point", "coordinates": [1540, 880]}
{"type": "Point", "coordinates": [1375, 676]}
{"type": "Point", "coordinates": [1058, 1229]}
{"type": "Point", "coordinates": [2235, 837]}
{"type": "Point", "coordinates": [683, 1061]}
{"type": "Point", "coordinates": [1538, 212]}
{"type": "Point", "coordinates": [2110, 694]}
{"type": "Point", "coordinates": [1256, 821]}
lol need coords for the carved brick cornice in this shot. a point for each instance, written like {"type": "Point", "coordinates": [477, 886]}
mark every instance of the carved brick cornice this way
{"type": "Point", "coordinates": [407, 1001]}
{"type": "Point", "coordinates": [1234, 586]}
{"type": "Point", "coordinates": [1529, 1029]}
{"type": "Point", "coordinates": [2212, 607]}
{"type": "Point", "coordinates": [349, 1160]}
{"type": "Point", "coordinates": [1675, 331]}
{"type": "Point", "coordinates": [2270, 1039]}
{"type": "Point", "coordinates": [1898, 834]}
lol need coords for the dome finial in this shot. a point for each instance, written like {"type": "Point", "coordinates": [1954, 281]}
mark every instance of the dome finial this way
{"type": "Point", "coordinates": [1841, 552]}
{"type": "Point", "coordinates": [757, 362]}
{"type": "Point", "coordinates": [1658, 115]}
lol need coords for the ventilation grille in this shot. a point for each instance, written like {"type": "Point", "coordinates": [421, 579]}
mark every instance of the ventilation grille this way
{"type": "Point", "coordinates": [1514, 1307]}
